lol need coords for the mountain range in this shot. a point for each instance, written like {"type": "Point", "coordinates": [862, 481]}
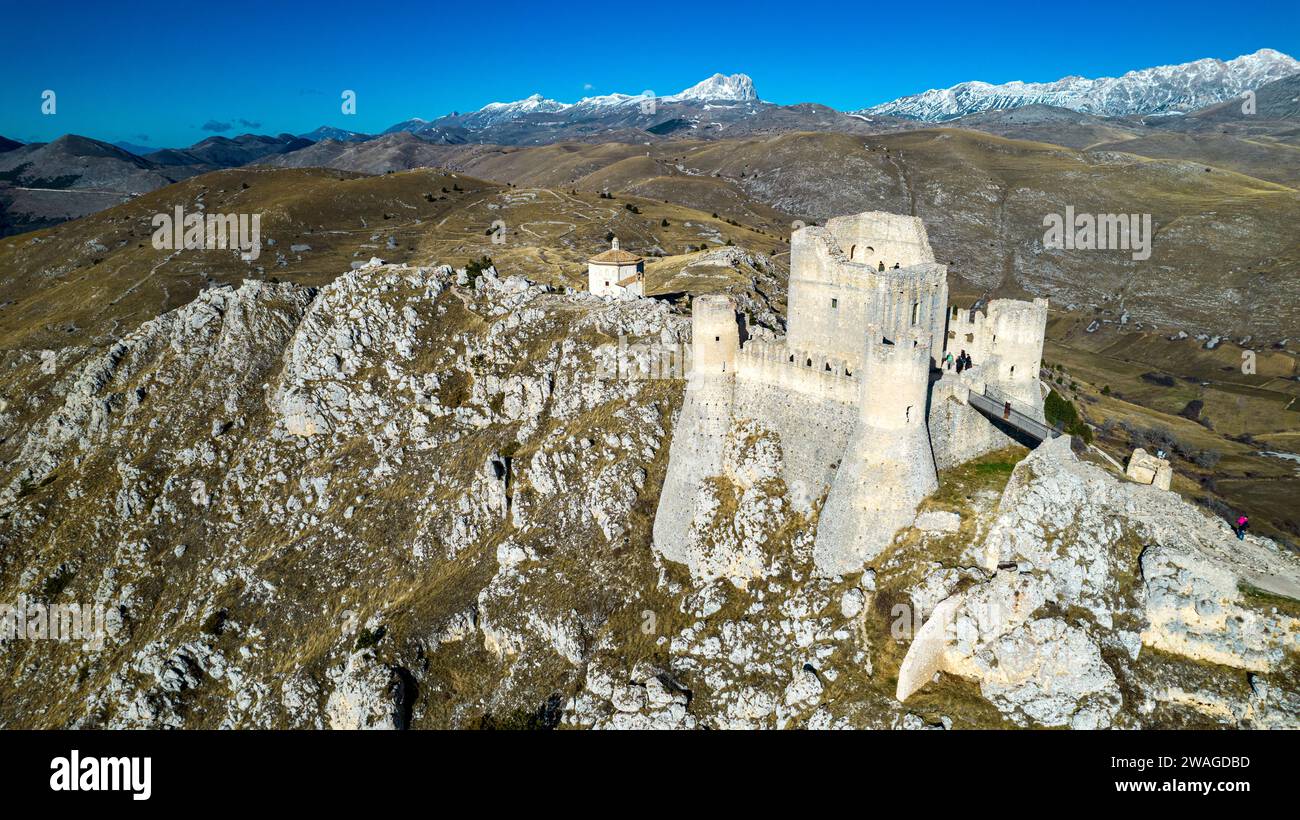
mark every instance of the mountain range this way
{"type": "Point", "coordinates": [1170, 89]}
{"type": "Point", "coordinates": [42, 184]}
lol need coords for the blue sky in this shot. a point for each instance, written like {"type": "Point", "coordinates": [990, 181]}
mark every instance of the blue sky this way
{"type": "Point", "coordinates": [157, 73]}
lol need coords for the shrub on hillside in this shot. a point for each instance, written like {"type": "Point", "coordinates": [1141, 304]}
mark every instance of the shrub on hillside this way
{"type": "Point", "coordinates": [1059, 410]}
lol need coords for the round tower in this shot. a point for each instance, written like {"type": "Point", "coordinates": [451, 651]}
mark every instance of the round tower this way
{"type": "Point", "coordinates": [715, 335]}
{"type": "Point", "coordinates": [896, 380]}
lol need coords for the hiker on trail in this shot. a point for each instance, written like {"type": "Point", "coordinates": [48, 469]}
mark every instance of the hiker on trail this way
{"type": "Point", "coordinates": [1242, 523]}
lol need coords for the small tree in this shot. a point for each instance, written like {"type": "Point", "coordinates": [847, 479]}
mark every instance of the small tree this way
{"type": "Point", "coordinates": [1059, 410]}
{"type": "Point", "coordinates": [476, 267]}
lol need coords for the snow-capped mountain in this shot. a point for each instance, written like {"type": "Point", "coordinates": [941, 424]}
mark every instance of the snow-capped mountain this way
{"type": "Point", "coordinates": [718, 88]}
{"type": "Point", "coordinates": [496, 112]}
{"type": "Point", "coordinates": [737, 87]}
{"type": "Point", "coordinates": [1172, 89]}
{"type": "Point", "coordinates": [329, 132]}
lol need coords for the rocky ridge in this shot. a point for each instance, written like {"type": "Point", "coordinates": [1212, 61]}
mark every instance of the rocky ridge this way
{"type": "Point", "coordinates": [407, 499]}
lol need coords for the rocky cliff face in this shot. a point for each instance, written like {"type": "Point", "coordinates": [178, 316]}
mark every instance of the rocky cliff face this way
{"type": "Point", "coordinates": [407, 499]}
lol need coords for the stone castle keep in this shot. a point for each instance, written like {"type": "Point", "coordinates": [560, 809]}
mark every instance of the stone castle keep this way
{"type": "Point", "coordinates": [856, 391]}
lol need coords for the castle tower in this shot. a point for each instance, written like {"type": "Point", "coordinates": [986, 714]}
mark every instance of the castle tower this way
{"type": "Point", "coordinates": [896, 381]}
{"type": "Point", "coordinates": [715, 335]}
{"type": "Point", "coordinates": [888, 466]}
{"type": "Point", "coordinates": [616, 273]}
{"type": "Point", "coordinates": [1014, 332]}
{"type": "Point", "coordinates": [871, 268]}
{"type": "Point", "coordinates": [696, 452]}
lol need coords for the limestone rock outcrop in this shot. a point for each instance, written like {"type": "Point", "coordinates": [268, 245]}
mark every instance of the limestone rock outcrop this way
{"type": "Point", "coordinates": [1134, 566]}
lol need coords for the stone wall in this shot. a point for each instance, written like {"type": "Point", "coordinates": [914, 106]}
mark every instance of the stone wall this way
{"type": "Point", "coordinates": [814, 434]}
{"type": "Point", "coordinates": [959, 432]}
{"type": "Point", "coordinates": [966, 332]}
{"type": "Point", "coordinates": [772, 365]}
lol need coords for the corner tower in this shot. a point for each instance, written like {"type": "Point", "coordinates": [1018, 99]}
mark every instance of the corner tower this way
{"type": "Point", "coordinates": [696, 452]}
{"type": "Point", "coordinates": [888, 466]}
{"type": "Point", "coordinates": [715, 335]}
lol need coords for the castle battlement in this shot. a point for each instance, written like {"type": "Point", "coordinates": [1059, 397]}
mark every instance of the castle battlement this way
{"type": "Point", "coordinates": [773, 364]}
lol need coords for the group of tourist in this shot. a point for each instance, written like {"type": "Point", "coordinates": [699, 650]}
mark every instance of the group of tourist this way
{"type": "Point", "coordinates": [962, 361]}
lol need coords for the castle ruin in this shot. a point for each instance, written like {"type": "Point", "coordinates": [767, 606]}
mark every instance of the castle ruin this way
{"type": "Point", "coordinates": [856, 392]}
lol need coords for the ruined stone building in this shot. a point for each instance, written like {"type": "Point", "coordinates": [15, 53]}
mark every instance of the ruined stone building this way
{"type": "Point", "coordinates": [856, 391]}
